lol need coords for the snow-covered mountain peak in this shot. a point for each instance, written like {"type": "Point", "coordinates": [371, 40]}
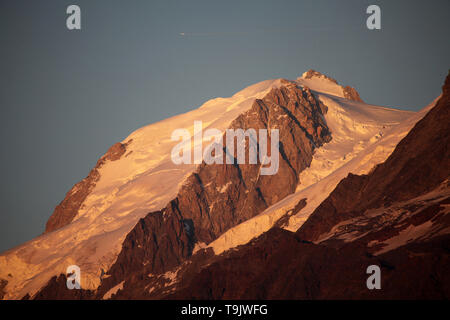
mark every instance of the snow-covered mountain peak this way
{"type": "Point", "coordinates": [321, 83]}
{"type": "Point", "coordinates": [120, 192]}
{"type": "Point", "coordinates": [313, 74]}
{"type": "Point", "coordinates": [138, 176]}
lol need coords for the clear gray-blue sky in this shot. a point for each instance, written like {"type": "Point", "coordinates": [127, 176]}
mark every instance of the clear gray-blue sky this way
{"type": "Point", "coordinates": [66, 96]}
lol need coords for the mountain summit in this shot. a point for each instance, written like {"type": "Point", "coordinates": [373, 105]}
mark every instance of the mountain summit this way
{"type": "Point", "coordinates": [323, 82]}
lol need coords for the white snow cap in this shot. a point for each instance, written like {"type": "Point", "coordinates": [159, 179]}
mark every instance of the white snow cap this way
{"type": "Point", "coordinates": [319, 82]}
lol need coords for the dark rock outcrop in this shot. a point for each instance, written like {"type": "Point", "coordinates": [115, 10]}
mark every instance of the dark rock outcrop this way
{"type": "Point", "coordinates": [351, 94]}
{"type": "Point", "coordinates": [3, 284]}
{"type": "Point", "coordinates": [219, 196]}
{"type": "Point", "coordinates": [68, 208]}
{"type": "Point", "coordinates": [56, 289]}
{"type": "Point", "coordinates": [159, 242]}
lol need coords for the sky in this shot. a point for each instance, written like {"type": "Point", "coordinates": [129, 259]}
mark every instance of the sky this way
{"type": "Point", "coordinates": [67, 95]}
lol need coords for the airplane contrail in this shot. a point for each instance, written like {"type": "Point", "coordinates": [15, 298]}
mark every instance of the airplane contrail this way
{"type": "Point", "coordinates": [254, 32]}
{"type": "Point", "coordinates": [207, 34]}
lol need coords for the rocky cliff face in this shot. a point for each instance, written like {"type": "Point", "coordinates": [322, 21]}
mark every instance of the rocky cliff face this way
{"type": "Point", "coordinates": [3, 284]}
{"type": "Point", "coordinates": [68, 208]}
{"type": "Point", "coordinates": [219, 196]}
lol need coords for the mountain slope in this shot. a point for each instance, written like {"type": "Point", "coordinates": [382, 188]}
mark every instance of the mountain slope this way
{"type": "Point", "coordinates": [137, 215]}
{"type": "Point", "coordinates": [91, 223]}
{"type": "Point", "coordinates": [218, 197]}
